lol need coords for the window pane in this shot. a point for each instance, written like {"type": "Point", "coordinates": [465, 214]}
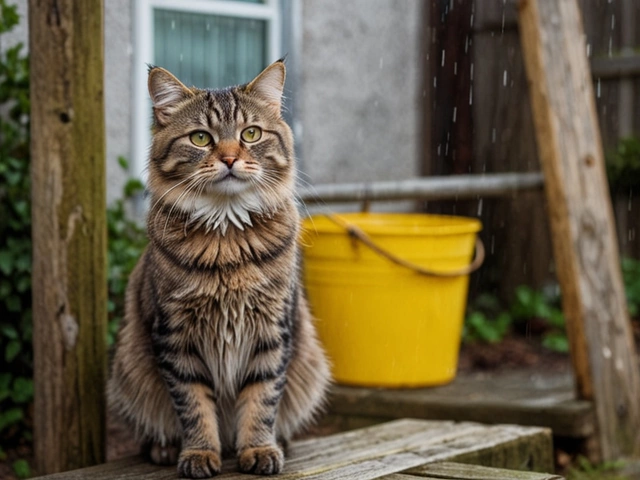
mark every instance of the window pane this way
{"type": "Point", "coordinates": [210, 51]}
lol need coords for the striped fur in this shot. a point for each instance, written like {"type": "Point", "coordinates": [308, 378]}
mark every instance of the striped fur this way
{"type": "Point", "coordinates": [217, 351]}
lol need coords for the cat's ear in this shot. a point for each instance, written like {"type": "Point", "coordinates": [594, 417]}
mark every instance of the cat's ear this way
{"type": "Point", "coordinates": [269, 85]}
{"type": "Point", "coordinates": [166, 92]}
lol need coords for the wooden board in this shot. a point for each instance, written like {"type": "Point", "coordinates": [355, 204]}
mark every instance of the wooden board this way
{"type": "Point", "coordinates": [585, 245]}
{"type": "Point", "coordinates": [69, 232]}
{"type": "Point", "coordinates": [369, 453]}
{"type": "Point", "coordinates": [459, 471]}
{"type": "Point", "coordinates": [523, 398]}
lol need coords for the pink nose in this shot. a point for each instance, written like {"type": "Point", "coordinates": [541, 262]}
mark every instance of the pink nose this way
{"type": "Point", "coordinates": [229, 161]}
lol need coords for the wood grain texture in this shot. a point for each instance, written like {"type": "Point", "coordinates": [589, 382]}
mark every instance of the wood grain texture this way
{"type": "Point", "coordinates": [69, 232]}
{"type": "Point", "coordinates": [363, 454]}
{"type": "Point", "coordinates": [585, 247]}
{"type": "Point", "coordinates": [522, 398]}
{"type": "Point", "coordinates": [460, 471]}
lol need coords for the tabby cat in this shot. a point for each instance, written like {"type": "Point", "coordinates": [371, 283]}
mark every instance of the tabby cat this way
{"type": "Point", "coordinates": [217, 351]}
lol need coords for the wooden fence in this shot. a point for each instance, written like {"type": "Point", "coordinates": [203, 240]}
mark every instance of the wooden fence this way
{"type": "Point", "coordinates": [479, 119]}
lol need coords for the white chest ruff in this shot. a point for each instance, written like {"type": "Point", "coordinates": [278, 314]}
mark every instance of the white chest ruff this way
{"type": "Point", "coordinates": [216, 211]}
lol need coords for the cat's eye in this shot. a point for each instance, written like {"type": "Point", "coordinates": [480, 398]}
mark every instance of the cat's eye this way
{"type": "Point", "coordinates": [251, 134]}
{"type": "Point", "coordinates": [200, 139]}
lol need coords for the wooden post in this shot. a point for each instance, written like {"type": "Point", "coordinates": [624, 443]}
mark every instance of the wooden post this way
{"type": "Point", "coordinates": [69, 232]}
{"type": "Point", "coordinates": [585, 247]}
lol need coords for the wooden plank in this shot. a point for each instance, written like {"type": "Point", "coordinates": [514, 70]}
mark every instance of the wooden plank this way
{"type": "Point", "coordinates": [69, 232]}
{"type": "Point", "coordinates": [523, 398]}
{"type": "Point", "coordinates": [433, 188]}
{"type": "Point", "coordinates": [365, 454]}
{"type": "Point", "coordinates": [585, 246]}
{"type": "Point", "coordinates": [460, 471]}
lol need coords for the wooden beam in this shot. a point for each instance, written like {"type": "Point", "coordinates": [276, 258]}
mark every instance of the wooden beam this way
{"type": "Point", "coordinates": [452, 187]}
{"type": "Point", "coordinates": [585, 247]}
{"type": "Point", "coordinates": [69, 232]}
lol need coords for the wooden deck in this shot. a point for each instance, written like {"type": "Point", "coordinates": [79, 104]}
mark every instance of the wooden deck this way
{"type": "Point", "coordinates": [522, 398]}
{"type": "Point", "coordinates": [397, 450]}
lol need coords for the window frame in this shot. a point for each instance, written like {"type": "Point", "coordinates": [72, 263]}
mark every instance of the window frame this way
{"type": "Point", "coordinates": [269, 11]}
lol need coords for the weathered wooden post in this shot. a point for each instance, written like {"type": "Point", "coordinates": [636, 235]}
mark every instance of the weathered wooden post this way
{"type": "Point", "coordinates": [69, 232]}
{"type": "Point", "coordinates": [585, 247]}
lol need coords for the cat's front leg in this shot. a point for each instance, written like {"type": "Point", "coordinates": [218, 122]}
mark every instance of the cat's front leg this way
{"type": "Point", "coordinates": [257, 407]}
{"type": "Point", "coordinates": [193, 399]}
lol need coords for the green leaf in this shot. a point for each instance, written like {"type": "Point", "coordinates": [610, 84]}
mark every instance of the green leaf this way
{"type": "Point", "coordinates": [10, 417]}
{"type": "Point", "coordinates": [123, 162]}
{"type": "Point", "coordinates": [556, 341]}
{"type": "Point", "coordinates": [21, 468]}
{"type": "Point", "coordinates": [22, 390]}
{"type": "Point", "coordinates": [12, 350]}
{"type": "Point", "coordinates": [6, 262]}
{"type": "Point", "coordinates": [9, 331]}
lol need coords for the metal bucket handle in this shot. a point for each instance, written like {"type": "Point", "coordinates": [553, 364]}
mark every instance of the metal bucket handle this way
{"type": "Point", "coordinates": [356, 233]}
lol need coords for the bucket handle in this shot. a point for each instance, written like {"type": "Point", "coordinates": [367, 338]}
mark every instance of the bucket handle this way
{"type": "Point", "coordinates": [358, 234]}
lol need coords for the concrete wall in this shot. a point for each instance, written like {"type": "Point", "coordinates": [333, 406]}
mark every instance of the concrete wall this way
{"type": "Point", "coordinates": [361, 88]}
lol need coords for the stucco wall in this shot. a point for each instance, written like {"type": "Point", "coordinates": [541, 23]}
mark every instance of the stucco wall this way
{"type": "Point", "coordinates": [361, 88]}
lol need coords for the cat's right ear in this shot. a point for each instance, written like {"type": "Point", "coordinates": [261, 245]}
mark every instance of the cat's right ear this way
{"type": "Point", "coordinates": [167, 92]}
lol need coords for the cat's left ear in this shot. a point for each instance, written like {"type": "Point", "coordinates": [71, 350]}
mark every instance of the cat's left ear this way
{"type": "Point", "coordinates": [269, 85]}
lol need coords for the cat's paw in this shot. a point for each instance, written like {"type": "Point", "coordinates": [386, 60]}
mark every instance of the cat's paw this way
{"type": "Point", "coordinates": [198, 464]}
{"type": "Point", "coordinates": [164, 455]}
{"type": "Point", "coordinates": [266, 460]}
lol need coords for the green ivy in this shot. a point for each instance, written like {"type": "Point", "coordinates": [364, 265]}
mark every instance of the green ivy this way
{"type": "Point", "coordinates": [16, 385]}
{"type": "Point", "coordinates": [127, 240]}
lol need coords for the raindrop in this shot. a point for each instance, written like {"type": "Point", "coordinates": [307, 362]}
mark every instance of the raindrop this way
{"type": "Point", "coordinates": [455, 68]}
{"type": "Point", "coordinates": [493, 135]}
{"type": "Point", "coordinates": [613, 22]}
{"type": "Point", "coordinates": [606, 352]}
{"type": "Point", "coordinates": [470, 95]}
{"type": "Point", "coordinates": [181, 56]}
{"type": "Point", "coordinates": [442, 61]}
{"type": "Point", "coordinates": [504, 79]}
{"type": "Point", "coordinates": [598, 88]}
{"type": "Point", "coordinates": [471, 72]}
{"type": "Point", "coordinates": [173, 24]}
{"type": "Point", "coordinates": [480, 207]}
{"type": "Point", "coordinates": [435, 82]}
{"type": "Point", "coordinates": [588, 50]}
{"type": "Point", "coordinates": [455, 113]}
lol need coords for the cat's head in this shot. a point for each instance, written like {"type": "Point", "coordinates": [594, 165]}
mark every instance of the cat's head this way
{"type": "Point", "coordinates": [220, 155]}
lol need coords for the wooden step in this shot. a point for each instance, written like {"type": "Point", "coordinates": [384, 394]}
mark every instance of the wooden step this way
{"type": "Point", "coordinates": [376, 451]}
{"type": "Point", "coordinates": [520, 397]}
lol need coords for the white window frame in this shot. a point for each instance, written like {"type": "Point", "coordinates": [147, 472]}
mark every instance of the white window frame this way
{"type": "Point", "coordinates": [143, 32]}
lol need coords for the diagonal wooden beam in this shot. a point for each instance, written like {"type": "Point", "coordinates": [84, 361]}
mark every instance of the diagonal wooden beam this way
{"type": "Point", "coordinates": [584, 239]}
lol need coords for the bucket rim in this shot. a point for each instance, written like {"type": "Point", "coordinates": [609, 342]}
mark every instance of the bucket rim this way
{"type": "Point", "coordinates": [396, 224]}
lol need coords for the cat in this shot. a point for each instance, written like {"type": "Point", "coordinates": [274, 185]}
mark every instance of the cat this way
{"type": "Point", "coordinates": [217, 351]}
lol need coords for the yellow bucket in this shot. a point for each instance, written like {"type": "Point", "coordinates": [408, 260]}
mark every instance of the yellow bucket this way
{"type": "Point", "coordinates": [382, 322]}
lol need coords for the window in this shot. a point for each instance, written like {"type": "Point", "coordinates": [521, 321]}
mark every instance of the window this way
{"type": "Point", "coordinates": [205, 43]}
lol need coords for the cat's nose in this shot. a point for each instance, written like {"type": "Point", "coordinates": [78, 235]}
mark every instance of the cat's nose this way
{"type": "Point", "coordinates": [229, 161]}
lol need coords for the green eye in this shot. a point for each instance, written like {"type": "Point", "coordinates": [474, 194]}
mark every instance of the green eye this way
{"type": "Point", "coordinates": [200, 139]}
{"type": "Point", "coordinates": [251, 134]}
